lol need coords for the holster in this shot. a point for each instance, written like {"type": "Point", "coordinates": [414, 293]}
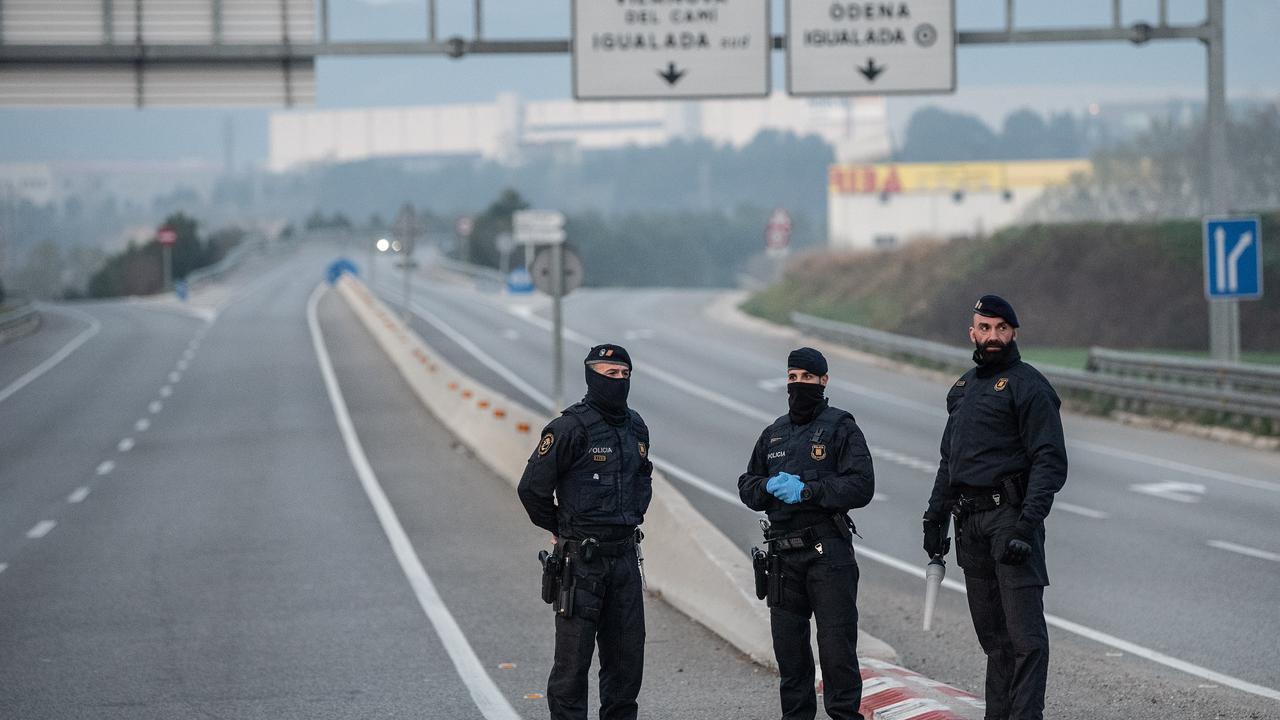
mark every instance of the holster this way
{"type": "Point", "coordinates": [550, 575]}
{"type": "Point", "coordinates": [760, 566]}
{"type": "Point", "coordinates": [775, 580]}
{"type": "Point", "coordinates": [568, 583]}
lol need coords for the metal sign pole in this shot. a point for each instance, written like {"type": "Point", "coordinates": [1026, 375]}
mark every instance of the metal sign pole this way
{"type": "Point", "coordinates": [557, 322]}
{"type": "Point", "coordinates": [408, 257]}
{"type": "Point", "coordinates": [373, 255]}
{"type": "Point", "coordinates": [1224, 315]}
{"type": "Point", "coordinates": [166, 259]}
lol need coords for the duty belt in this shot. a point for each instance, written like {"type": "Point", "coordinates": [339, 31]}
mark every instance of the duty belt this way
{"type": "Point", "coordinates": [802, 538]}
{"type": "Point", "coordinates": [980, 502]}
{"type": "Point", "coordinates": [589, 548]}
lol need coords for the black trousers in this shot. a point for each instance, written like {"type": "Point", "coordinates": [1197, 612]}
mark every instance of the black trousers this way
{"type": "Point", "coordinates": [824, 585]}
{"type": "Point", "coordinates": [1006, 603]}
{"type": "Point", "coordinates": [609, 610]}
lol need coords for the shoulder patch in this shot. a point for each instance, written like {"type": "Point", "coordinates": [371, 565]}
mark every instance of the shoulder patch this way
{"type": "Point", "coordinates": [960, 382]}
{"type": "Point", "coordinates": [547, 441]}
{"type": "Point", "coordinates": [644, 450]}
{"type": "Point", "coordinates": [1002, 383]}
{"type": "Point", "coordinates": [773, 440]}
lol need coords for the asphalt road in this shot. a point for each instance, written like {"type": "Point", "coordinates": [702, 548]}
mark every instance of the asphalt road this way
{"type": "Point", "coordinates": [184, 531]}
{"type": "Point", "coordinates": [1162, 548]}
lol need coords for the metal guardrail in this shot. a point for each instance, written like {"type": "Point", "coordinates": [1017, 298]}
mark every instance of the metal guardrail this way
{"type": "Point", "coordinates": [1191, 371]}
{"type": "Point", "coordinates": [18, 321]}
{"type": "Point", "coordinates": [1129, 391]}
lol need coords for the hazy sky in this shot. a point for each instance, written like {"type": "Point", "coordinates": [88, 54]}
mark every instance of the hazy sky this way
{"type": "Point", "coordinates": [992, 80]}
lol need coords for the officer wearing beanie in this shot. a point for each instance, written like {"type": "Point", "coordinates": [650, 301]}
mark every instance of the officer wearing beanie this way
{"type": "Point", "coordinates": [588, 483]}
{"type": "Point", "coordinates": [807, 470]}
{"type": "Point", "coordinates": [1003, 459]}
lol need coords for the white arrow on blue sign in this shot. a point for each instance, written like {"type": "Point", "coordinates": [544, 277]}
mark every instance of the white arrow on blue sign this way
{"type": "Point", "coordinates": [1232, 258]}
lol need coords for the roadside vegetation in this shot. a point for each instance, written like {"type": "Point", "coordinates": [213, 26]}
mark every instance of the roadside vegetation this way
{"type": "Point", "coordinates": [1120, 285]}
{"type": "Point", "coordinates": [137, 270]}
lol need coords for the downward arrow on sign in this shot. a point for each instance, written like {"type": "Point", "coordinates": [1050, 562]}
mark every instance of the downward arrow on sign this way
{"type": "Point", "coordinates": [671, 75]}
{"type": "Point", "coordinates": [1179, 491]}
{"type": "Point", "coordinates": [871, 70]}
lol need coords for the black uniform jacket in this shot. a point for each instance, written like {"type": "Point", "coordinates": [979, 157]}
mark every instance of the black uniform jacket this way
{"type": "Point", "coordinates": [587, 477]}
{"type": "Point", "coordinates": [829, 454]}
{"type": "Point", "coordinates": [1003, 420]}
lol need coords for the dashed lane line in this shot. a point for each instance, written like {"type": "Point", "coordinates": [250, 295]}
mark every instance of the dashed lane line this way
{"type": "Point", "coordinates": [105, 467]}
{"type": "Point", "coordinates": [78, 496]}
{"type": "Point", "coordinates": [125, 445]}
{"type": "Point", "coordinates": [41, 529]}
{"type": "Point", "coordinates": [1244, 550]}
{"type": "Point", "coordinates": [142, 425]}
{"type": "Point", "coordinates": [174, 377]}
{"type": "Point", "coordinates": [154, 407]}
{"type": "Point", "coordinates": [492, 704]}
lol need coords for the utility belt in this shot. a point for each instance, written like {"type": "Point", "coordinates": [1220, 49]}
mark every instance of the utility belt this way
{"type": "Point", "coordinates": [560, 583]}
{"type": "Point", "coordinates": [767, 567]}
{"type": "Point", "coordinates": [1008, 492]}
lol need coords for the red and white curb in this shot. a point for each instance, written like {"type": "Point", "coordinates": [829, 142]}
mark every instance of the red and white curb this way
{"type": "Point", "coordinates": [892, 692]}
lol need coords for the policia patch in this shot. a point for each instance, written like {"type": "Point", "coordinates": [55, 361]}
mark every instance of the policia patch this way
{"type": "Point", "coordinates": [547, 441]}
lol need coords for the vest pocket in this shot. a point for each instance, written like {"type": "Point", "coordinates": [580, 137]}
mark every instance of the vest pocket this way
{"type": "Point", "coordinates": [598, 493]}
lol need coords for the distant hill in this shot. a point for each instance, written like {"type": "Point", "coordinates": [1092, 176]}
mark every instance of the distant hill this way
{"type": "Point", "coordinates": [1130, 285]}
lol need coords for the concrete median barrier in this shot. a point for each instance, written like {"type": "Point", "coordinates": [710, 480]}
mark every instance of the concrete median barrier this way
{"type": "Point", "coordinates": [689, 561]}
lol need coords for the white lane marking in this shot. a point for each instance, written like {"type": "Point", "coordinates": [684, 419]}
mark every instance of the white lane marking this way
{"type": "Point", "coordinates": [510, 334]}
{"type": "Point", "coordinates": [771, 384]}
{"type": "Point", "coordinates": [1182, 492]}
{"type": "Point", "coordinates": [182, 366]}
{"type": "Point", "coordinates": [1245, 550]}
{"type": "Point", "coordinates": [174, 377]}
{"type": "Point", "coordinates": [142, 425]}
{"type": "Point", "coordinates": [922, 408]}
{"type": "Point", "coordinates": [78, 496]}
{"type": "Point", "coordinates": [3, 567]}
{"type": "Point", "coordinates": [41, 529]}
{"type": "Point", "coordinates": [188, 354]}
{"type": "Point", "coordinates": [31, 375]}
{"type": "Point", "coordinates": [484, 692]}
{"type": "Point", "coordinates": [105, 467]}
{"type": "Point", "coordinates": [640, 334]}
{"type": "Point", "coordinates": [1180, 467]}
{"type": "Point", "coordinates": [951, 584]}
{"type": "Point", "coordinates": [125, 445]}
{"type": "Point", "coordinates": [879, 497]}
{"type": "Point", "coordinates": [166, 391]}
{"type": "Point", "coordinates": [154, 407]}
{"type": "Point", "coordinates": [1079, 510]}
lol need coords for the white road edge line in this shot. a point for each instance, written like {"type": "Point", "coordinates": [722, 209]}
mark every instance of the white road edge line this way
{"type": "Point", "coordinates": [918, 571]}
{"type": "Point", "coordinates": [484, 692]}
{"type": "Point", "coordinates": [41, 529]}
{"type": "Point", "coordinates": [79, 495]}
{"type": "Point", "coordinates": [1245, 550]}
{"type": "Point", "coordinates": [54, 359]}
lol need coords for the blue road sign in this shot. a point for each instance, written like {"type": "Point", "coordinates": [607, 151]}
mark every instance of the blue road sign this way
{"type": "Point", "coordinates": [519, 281]}
{"type": "Point", "coordinates": [338, 267]}
{"type": "Point", "coordinates": [1232, 258]}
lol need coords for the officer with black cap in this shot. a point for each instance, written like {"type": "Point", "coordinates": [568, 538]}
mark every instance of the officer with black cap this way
{"type": "Point", "coordinates": [1003, 459]}
{"type": "Point", "coordinates": [807, 470]}
{"type": "Point", "coordinates": [588, 483]}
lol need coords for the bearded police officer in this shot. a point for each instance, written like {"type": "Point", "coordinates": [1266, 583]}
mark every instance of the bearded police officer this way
{"type": "Point", "coordinates": [807, 470]}
{"type": "Point", "coordinates": [1003, 459]}
{"type": "Point", "coordinates": [589, 483]}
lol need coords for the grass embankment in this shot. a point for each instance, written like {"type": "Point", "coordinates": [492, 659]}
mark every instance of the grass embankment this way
{"type": "Point", "coordinates": [1129, 286]}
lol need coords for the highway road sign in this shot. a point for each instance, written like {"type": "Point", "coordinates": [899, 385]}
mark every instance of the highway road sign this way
{"type": "Point", "coordinates": [166, 235]}
{"type": "Point", "coordinates": [853, 48]}
{"type": "Point", "coordinates": [542, 269]}
{"type": "Point", "coordinates": [650, 49]}
{"type": "Point", "coordinates": [538, 227]}
{"type": "Point", "coordinates": [777, 232]}
{"type": "Point", "coordinates": [1232, 258]}
{"type": "Point", "coordinates": [463, 226]}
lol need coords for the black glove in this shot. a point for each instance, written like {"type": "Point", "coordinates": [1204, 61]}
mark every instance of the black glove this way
{"type": "Point", "coordinates": [1018, 549]}
{"type": "Point", "coordinates": [933, 534]}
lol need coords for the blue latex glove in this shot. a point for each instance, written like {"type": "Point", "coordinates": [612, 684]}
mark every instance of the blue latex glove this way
{"type": "Point", "coordinates": [786, 487]}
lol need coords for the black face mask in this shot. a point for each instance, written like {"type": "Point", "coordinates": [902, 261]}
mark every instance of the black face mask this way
{"type": "Point", "coordinates": [608, 395]}
{"type": "Point", "coordinates": [803, 401]}
{"type": "Point", "coordinates": [1005, 356]}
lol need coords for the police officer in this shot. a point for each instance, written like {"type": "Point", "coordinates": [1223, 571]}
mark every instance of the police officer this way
{"type": "Point", "coordinates": [1003, 459]}
{"type": "Point", "coordinates": [588, 483]}
{"type": "Point", "coordinates": [807, 470]}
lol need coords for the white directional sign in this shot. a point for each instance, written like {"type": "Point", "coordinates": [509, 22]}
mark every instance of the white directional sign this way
{"type": "Point", "coordinates": [875, 48]}
{"type": "Point", "coordinates": [660, 49]}
{"type": "Point", "coordinates": [1232, 258]}
{"type": "Point", "coordinates": [539, 227]}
